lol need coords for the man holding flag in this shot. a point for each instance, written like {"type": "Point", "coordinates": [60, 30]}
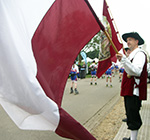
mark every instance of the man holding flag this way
{"type": "Point", "coordinates": [134, 83]}
{"type": "Point", "coordinates": [34, 35]}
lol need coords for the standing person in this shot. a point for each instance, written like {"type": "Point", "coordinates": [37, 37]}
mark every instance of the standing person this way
{"type": "Point", "coordinates": [109, 76]}
{"type": "Point", "coordinates": [113, 70]}
{"type": "Point", "coordinates": [116, 68]}
{"type": "Point", "coordinates": [74, 72]}
{"type": "Point", "coordinates": [93, 68]}
{"type": "Point", "coordinates": [127, 51]}
{"type": "Point", "coordinates": [79, 67]}
{"type": "Point", "coordinates": [83, 70]}
{"type": "Point", "coordinates": [134, 82]}
{"type": "Point", "coordinates": [121, 70]}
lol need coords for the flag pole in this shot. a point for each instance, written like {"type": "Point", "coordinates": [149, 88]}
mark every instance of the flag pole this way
{"type": "Point", "coordinates": [116, 28]}
{"type": "Point", "coordinates": [107, 35]}
{"type": "Point", "coordinates": [103, 28]}
{"type": "Point", "coordinates": [110, 40]}
{"type": "Point", "coordinates": [114, 22]}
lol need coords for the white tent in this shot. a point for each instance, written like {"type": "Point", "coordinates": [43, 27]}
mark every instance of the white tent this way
{"type": "Point", "coordinates": [96, 60]}
{"type": "Point", "coordinates": [88, 59]}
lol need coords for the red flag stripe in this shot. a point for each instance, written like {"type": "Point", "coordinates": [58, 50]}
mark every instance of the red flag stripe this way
{"type": "Point", "coordinates": [56, 43]}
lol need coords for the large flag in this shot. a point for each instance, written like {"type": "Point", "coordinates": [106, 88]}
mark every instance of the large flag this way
{"type": "Point", "coordinates": [107, 53]}
{"type": "Point", "coordinates": [39, 41]}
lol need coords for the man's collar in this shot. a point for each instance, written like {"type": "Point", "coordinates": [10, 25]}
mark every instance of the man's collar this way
{"type": "Point", "coordinates": [132, 54]}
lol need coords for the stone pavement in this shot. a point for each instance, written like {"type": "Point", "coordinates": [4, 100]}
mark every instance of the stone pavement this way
{"type": "Point", "coordinates": [89, 107]}
{"type": "Point", "coordinates": [145, 128]}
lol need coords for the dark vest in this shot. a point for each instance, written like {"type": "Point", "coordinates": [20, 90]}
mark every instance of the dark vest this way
{"type": "Point", "coordinates": [127, 85]}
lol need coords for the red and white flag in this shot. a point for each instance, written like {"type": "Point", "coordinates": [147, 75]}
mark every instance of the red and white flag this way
{"type": "Point", "coordinates": [107, 53]}
{"type": "Point", "coordinates": [39, 41]}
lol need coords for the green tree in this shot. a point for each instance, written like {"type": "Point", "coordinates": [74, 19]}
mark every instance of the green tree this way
{"type": "Point", "coordinates": [93, 54]}
{"type": "Point", "coordinates": [92, 47]}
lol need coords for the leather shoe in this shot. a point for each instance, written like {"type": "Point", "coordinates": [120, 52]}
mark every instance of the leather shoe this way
{"type": "Point", "coordinates": [124, 120]}
{"type": "Point", "coordinates": [126, 139]}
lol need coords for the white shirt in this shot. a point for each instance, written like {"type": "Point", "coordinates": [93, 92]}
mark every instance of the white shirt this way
{"type": "Point", "coordinates": [75, 68]}
{"type": "Point", "coordinates": [93, 65]}
{"type": "Point", "coordinates": [135, 68]}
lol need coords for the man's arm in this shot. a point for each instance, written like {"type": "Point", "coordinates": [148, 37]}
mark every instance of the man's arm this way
{"type": "Point", "coordinates": [135, 68]}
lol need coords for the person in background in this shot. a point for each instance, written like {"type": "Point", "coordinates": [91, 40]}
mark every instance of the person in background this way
{"type": "Point", "coordinates": [116, 68]}
{"type": "Point", "coordinates": [93, 68]}
{"type": "Point", "coordinates": [113, 70]}
{"type": "Point", "coordinates": [128, 51]}
{"type": "Point", "coordinates": [109, 76]}
{"type": "Point", "coordinates": [84, 65]}
{"type": "Point", "coordinates": [121, 70]}
{"type": "Point", "coordinates": [79, 67]}
{"type": "Point", "coordinates": [74, 71]}
{"type": "Point", "coordinates": [134, 82]}
{"type": "Point", "coordinates": [83, 70]}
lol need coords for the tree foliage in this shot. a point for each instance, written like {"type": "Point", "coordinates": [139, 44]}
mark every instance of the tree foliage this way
{"type": "Point", "coordinates": [93, 54]}
{"type": "Point", "coordinates": [92, 47]}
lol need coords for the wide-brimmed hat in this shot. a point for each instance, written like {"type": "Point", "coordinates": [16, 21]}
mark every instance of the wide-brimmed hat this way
{"type": "Point", "coordinates": [133, 35]}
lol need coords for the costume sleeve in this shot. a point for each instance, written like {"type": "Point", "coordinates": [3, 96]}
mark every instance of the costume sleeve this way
{"type": "Point", "coordinates": [135, 68]}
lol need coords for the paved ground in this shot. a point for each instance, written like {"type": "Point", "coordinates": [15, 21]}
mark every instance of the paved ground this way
{"type": "Point", "coordinates": [89, 107]}
{"type": "Point", "coordinates": [145, 128]}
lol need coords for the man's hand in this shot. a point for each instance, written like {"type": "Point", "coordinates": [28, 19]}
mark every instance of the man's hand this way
{"type": "Point", "coordinates": [119, 56]}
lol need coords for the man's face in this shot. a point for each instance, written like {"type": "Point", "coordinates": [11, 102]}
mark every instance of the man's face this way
{"type": "Point", "coordinates": [132, 43]}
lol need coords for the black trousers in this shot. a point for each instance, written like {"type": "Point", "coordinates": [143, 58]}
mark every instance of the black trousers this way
{"type": "Point", "coordinates": [132, 107]}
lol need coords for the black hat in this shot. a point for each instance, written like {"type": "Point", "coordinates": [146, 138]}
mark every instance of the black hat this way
{"type": "Point", "coordinates": [133, 35]}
